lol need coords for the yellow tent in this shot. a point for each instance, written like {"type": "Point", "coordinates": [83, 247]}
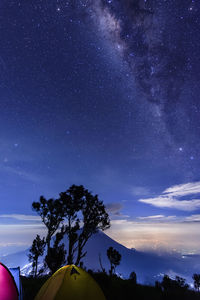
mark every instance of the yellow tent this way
{"type": "Point", "coordinates": [70, 283]}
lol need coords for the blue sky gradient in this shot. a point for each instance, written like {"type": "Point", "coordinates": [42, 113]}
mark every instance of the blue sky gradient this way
{"type": "Point", "coordinates": [104, 94]}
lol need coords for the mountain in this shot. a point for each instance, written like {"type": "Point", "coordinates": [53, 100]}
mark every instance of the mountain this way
{"type": "Point", "coordinates": [148, 266]}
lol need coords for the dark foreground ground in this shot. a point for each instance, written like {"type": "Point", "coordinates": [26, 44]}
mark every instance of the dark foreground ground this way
{"type": "Point", "coordinates": [119, 289]}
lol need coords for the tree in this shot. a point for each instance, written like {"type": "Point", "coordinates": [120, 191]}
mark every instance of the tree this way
{"type": "Point", "coordinates": [100, 262]}
{"type": "Point", "coordinates": [166, 282]}
{"type": "Point", "coordinates": [181, 282]}
{"type": "Point", "coordinates": [72, 201]}
{"type": "Point", "coordinates": [95, 218]}
{"type": "Point", "coordinates": [169, 284]}
{"type": "Point", "coordinates": [52, 215]}
{"type": "Point", "coordinates": [196, 278]}
{"type": "Point", "coordinates": [76, 213]}
{"type": "Point", "coordinates": [81, 208]}
{"type": "Point", "coordinates": [36, 250]}
{"type": "Point", "coordinates": [114, 257]}
{"type": "Point", "coordinates": [55, 258]}
{"type": "Point", "coordinates": [133, 277]}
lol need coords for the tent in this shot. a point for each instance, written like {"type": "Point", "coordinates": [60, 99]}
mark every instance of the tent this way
{"type": "Point", "coordinates": [8, 288]}
{"type": "Point", "coordinates": [70, 283]}
{"type": "Point", "coordinates": [16, 274]}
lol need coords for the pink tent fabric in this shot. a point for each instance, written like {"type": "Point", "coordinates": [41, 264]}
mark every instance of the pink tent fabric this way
{"type": "Point", "coordinates": [8, 289]}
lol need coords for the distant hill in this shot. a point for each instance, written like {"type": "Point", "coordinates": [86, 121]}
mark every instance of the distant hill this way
{"type": "Point", "coordinates": [148, 266]}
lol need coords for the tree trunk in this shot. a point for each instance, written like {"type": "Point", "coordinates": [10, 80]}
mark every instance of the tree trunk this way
{"type": "Point", "coordinates": [81, 244]}
{"type": "Point", "coordinates": [48, 239]}
{"type": "Point", "coordinates": [70, 256]}
{"type": "Point", "coordinates": [36, 264]}
{"type": "Point", "coordinates": [100, 262]}
{"type": "Point", "coordinates": [78, 255]}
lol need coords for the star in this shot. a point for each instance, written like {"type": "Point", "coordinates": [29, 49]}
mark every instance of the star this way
{"type": "Point", "coordinates": [58, 9]}
{"type": "Point", "coordinates": [180, 149]}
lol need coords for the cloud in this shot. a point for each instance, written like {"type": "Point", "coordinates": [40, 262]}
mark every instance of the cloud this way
{"type": "Point", "coordinates": [148, 235]}
{"type": "Point", "coordinates": [157, 218]}
{"type": "Point", "coordinates": [193, 218]}
{"type": "Point", "coordinates": [21, 217]}
{"type": "Point", "coordinates": [139, 191]}
{"type": "Point", "coordinates": [151, 217]}
{"type": "Point", "coordinates": [169, 202]}
{"type": "Point", "coordinates": [170, 198]}
{"type": "Point", "coordinates": [186, 189]}
{"type": "Point", "coordinates": [29, 176]}
{"type": "Point", "coordinates": [114, 208]}
{"type": "Point", "coordinates": [20, 234]}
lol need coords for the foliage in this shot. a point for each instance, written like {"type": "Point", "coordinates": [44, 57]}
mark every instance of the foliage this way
{"type": "Point", "coordinates": [52, 215]}
{"type": "Point", "coordinates": [196, 278]}
{"type": "Point", "coordinates": [36, 250]}
{"type": "Point", "coordinates": [114, 257]}
{"type": "Point", "coordinates": [55, 258]}
{"type": "Point", "coordinates": [74, 208]}
{"type": "Point", "coordinates": [133, 277]}
{"type": "Point", "coordinates": [115, 288]}
{"type": "Point", "coordinates": [71, 202]}
{"type": "Point", "coordinates": [95, 218]}
{"type": "Point", "coordinates": [169, 284]}
{"type": "Point", "coordinates": [81, 207]}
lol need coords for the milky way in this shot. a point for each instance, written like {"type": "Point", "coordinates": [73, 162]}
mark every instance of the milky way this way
{"type": "Point", "coordinates": [156, 39]}
{"type": "Point", "coordinates": [156, 55]}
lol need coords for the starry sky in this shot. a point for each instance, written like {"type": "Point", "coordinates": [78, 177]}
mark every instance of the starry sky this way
{"type": "Point", "coordinates": [103, 93]}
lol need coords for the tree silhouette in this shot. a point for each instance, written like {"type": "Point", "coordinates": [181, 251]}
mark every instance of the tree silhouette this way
{"type": "Point", "coordinates": [95, 218]}
{"type": "Point", "coordinates": [169, 284]}
{"type": "Point", "coordinates": [114, 257]}
{"type": "Point", "coordinates": [76, 213]}
{"type": "Point", "coordinates": [196, 278]}
{"type": "Point", "coordinates": [36, 250]}
{"type": "Point", "coordinates": [133, 277]}
{"type": "Point", "coordinates": [181, 282]}
{"type": "Point", "coordinates": [52, 215]}
{"type": "Point", "coordinates": [55, 258]}
{"type": "Point", "coordinates": [71, 202]}
{"type": "Point", "coordinates": [81, 207]}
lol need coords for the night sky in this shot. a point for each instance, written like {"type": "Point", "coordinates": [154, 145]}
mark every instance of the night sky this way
{"type": "Point", "coordinates": [103, 93]}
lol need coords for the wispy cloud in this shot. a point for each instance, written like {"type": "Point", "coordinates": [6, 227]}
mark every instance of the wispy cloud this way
{"type": "Point", "coordinates": [20, 234]}
{"type": "Point", "coordinates": [21, 217]}
{"type": "Point", "coordinates": [29, 176]}
{"type": "Point", "coordinates": [139, 191]}
{"type": "Point", "coordinates": [171, 197]}
{"type": "Point", "coordinates": [193, 218]}
{"type": "Point", "coordinates": [186, 189]}
{"type": "Point", "coordinates": [173, 235]}
{"type": "Point", "coordinates": [157, 218]}
{"type": "Point", "coordinates": [114, 208]}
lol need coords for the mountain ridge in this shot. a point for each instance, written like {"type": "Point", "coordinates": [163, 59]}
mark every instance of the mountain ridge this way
{"type": "Point", "coordinates": [148, 266]}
